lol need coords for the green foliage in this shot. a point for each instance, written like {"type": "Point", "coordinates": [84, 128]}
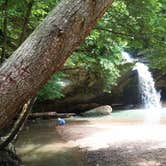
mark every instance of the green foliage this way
{"type": "Point", "coordinates": [52, 89]}
{"type": "Point", "coordinates": [134, 26]}
{"type": "Point", "coordinates": [17, 25]}
{"type": "Point", "coordinates": [18, 21]}
{"type": "Point", "coordinates": [158, 62]}
{"type": "Point", "coordinates": [138, 27]}
{"type": "Point", "coordinates": [100, 56]}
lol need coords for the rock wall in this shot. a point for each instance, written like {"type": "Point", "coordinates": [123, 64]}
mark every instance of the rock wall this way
{"type": "Point", "coordinates": [81, 95]}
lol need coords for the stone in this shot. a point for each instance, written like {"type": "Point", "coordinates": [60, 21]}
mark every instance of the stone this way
{"type": "Point", "coordinates": [99, 111]}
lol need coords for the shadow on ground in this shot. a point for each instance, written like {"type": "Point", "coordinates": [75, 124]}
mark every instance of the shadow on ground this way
{"type": "Point", "coordinates": [129, 154]}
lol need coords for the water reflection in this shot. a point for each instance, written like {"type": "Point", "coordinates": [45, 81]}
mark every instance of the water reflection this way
{"type": "Point", "coordinates": [40, 145]}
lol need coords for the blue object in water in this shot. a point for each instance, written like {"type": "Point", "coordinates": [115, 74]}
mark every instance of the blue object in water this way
{"type": "Point", "coordinates": [61, 121]}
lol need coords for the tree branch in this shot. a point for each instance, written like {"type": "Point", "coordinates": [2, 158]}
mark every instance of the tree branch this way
{"type": "Point", "coordinates": [18, 124]}
{"type": "Point", "coordinates": [117, 33]}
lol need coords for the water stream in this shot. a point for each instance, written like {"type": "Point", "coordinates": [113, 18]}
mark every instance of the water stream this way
{"type": "Point", "coordinates": [150, 97]}
{"type": "Point", "coordinates": [121, 135]}
{"type": "Point", "coordinates": [39, 144]}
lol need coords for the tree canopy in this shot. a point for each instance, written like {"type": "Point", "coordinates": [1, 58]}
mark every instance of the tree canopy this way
{"type": "Point", "coordinates": [137, 27]}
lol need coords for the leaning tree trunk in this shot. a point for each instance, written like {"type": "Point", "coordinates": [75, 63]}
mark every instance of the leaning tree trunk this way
{"type": "Point", "coordinates": [45, 51]}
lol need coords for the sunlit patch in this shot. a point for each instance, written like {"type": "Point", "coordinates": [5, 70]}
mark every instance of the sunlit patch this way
{"type": "Point", "coordinates": [37, 152]}
{"type": "Point", "coordinates": [109, 134]}
{"type": "Point", "coordinates": [149, 163]}
{"type": "Point", "coordinates": [152, 115]}
{"type": "Point", "coordinates": [37, 148]}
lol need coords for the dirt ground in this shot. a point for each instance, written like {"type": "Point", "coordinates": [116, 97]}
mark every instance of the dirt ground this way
{"type": "Point", "coordinates": [131, 154]}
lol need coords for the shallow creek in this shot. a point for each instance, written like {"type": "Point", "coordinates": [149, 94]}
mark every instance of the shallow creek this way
{"type": "Point", "coordinates": [125, 138]}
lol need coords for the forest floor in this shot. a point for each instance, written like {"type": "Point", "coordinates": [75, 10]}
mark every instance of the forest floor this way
{"type": "Point", "coordinates": [109, 142]}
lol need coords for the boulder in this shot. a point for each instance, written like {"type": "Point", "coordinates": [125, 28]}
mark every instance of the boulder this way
{"type": "Point", "coordinates": [99, 111]}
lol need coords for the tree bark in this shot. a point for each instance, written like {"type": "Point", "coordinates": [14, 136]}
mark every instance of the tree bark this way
{"type": "Point", "coordinates": [45, 51]}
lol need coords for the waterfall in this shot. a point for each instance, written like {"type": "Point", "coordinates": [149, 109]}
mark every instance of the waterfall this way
{"type": "Point", "coordinates": [150, 97]}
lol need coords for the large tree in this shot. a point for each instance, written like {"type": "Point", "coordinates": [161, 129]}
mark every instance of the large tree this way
{"type": "Point", "coordinates": [45, 51]}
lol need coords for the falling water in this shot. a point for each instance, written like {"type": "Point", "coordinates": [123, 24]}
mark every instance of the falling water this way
{"type": "Point", "coordinates": [150, 97]}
